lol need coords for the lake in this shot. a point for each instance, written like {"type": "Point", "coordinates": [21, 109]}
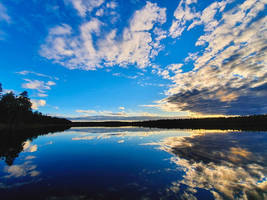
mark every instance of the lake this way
{"type": "Point", "coordinates": [135, 163]}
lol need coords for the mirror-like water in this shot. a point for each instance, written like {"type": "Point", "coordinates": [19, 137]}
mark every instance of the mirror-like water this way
{"type": "Point", "coordinates": [135, 163]}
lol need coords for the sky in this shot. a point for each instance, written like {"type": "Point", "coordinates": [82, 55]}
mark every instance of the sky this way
{"type": "Point", "coordinates": [138, 59]}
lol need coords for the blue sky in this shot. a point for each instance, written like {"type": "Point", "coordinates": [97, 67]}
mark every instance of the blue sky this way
{"type": "Point", "coordinates": [136, 58]}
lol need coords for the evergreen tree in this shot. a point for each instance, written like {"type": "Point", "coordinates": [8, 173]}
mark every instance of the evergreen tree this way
{"type": "Point", "coordinates": [16, 110]}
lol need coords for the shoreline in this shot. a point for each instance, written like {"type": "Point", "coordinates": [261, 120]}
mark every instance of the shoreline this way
{"type": "Point", "coordinates": [19, 127]}
{"type": "Point", "coordinates": [255, 123]}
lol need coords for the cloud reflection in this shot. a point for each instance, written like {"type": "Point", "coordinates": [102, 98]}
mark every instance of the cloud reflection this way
{"type": "Point", "coordinates": [28, 147]}
{"type": "Point", "coordinates": [25, 169]}
{"type": "Point", "coordinates": [230, 166]}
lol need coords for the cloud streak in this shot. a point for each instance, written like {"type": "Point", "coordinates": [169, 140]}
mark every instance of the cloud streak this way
{"type": "Point", "coordinates": [26, 72]}
{"type": "Point", "coordinates": [36, 103]}
{"type": "Point", "coordinates": [3, 14]}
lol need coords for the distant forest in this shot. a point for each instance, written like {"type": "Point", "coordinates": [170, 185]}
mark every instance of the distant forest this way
{"type": "Point", "coordinates": [254, 122]}
{"type": "Point", "coordinates": [16, 111]}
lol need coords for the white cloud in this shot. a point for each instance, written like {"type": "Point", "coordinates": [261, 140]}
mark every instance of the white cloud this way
{"type": "Point", "coordinates": [40, 86]}
{"type": "Point", "coordinates": [3, 14]}
{"type": "Point", "coordinates": [35, 85]}
{"type": "Point", "coordinates": [112, 5]}
{"type": "Point", "coordinates": [50, 83]}
{"type": "Point", "coordinates": [183, 14]}
{"type": "Point", "coordinates": [103, 112]}
{"type": "Point", "coordinates": [125, 76]}
{"type": "Point", "coordinates": [42, 95]}
{"type": "Point", "coordinates": [110, 115]}
{"type": "Point", "coordinates": [25, 72]}
{"type": "Point", "coordinates": [86, 111]}
{"type": "Point", "coordinates": [84, 6]}
{"type": "Point", "coordinates": [144, 19]}
{"type": "Point", "coordinates": [228, 75]}
{"type": "Point", "coordinates": [81, 51]}
{"type": "Point", "coordinates": [4, 17]}
{"type": "Point", "coordinates": [100, 12]}
{"type": "Point", "coordinates": [37, 103]}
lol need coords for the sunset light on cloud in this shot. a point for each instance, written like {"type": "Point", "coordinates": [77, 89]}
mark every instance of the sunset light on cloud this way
{"type": "Point", "coordinates": [89, 58]}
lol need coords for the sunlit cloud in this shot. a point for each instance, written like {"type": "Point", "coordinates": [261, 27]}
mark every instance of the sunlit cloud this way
{"type": "Point", "coordinates": [230, 75]}
{"type": "Point", "coordinates": [36, 103]}
{"type": "Point", "coordinates": [80, 51]}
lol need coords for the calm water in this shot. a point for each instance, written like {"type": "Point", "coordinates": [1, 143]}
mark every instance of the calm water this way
{"type": "Point", "coordinates": [136, 163]}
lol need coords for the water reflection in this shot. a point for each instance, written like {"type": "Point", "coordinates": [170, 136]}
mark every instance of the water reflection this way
{"type": "Point", "coordinates": [134, 163]}
{"type": "Point", "coordinates": [12, 143]}
{"type": "Point", "coordinates": [27, 168]}
{"type": "Point", "coordinates": [230, 166]}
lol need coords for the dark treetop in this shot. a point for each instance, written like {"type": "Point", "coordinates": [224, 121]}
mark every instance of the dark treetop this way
{"type": "Point", "coordinates": [16, 112]}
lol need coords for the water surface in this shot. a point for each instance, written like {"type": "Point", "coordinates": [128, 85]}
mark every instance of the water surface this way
{"type": "Point", "coordinates": [135, 163]}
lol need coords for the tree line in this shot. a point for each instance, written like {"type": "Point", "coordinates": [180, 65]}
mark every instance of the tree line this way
{"type": "Point", "coordinates": [253, 122]}
{"type": "Point", "coordinates": [16, 110]}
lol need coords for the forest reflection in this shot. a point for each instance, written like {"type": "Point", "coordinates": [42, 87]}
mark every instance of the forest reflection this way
{"type": "Point", "coordinates": [12, 143]}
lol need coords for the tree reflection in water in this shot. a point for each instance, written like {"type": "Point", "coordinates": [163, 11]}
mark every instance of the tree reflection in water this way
{"type": "Point", "coordinates": [13, 142]}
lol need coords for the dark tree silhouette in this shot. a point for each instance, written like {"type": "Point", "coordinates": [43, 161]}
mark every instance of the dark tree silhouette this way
{"type": "Point", "coordinates": [16, 111]}
{"type": "Point", "coordinates": [12, 141]}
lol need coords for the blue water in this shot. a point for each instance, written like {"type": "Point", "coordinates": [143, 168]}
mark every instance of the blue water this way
{"type": "Point", "coordinates": [138, 163]}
